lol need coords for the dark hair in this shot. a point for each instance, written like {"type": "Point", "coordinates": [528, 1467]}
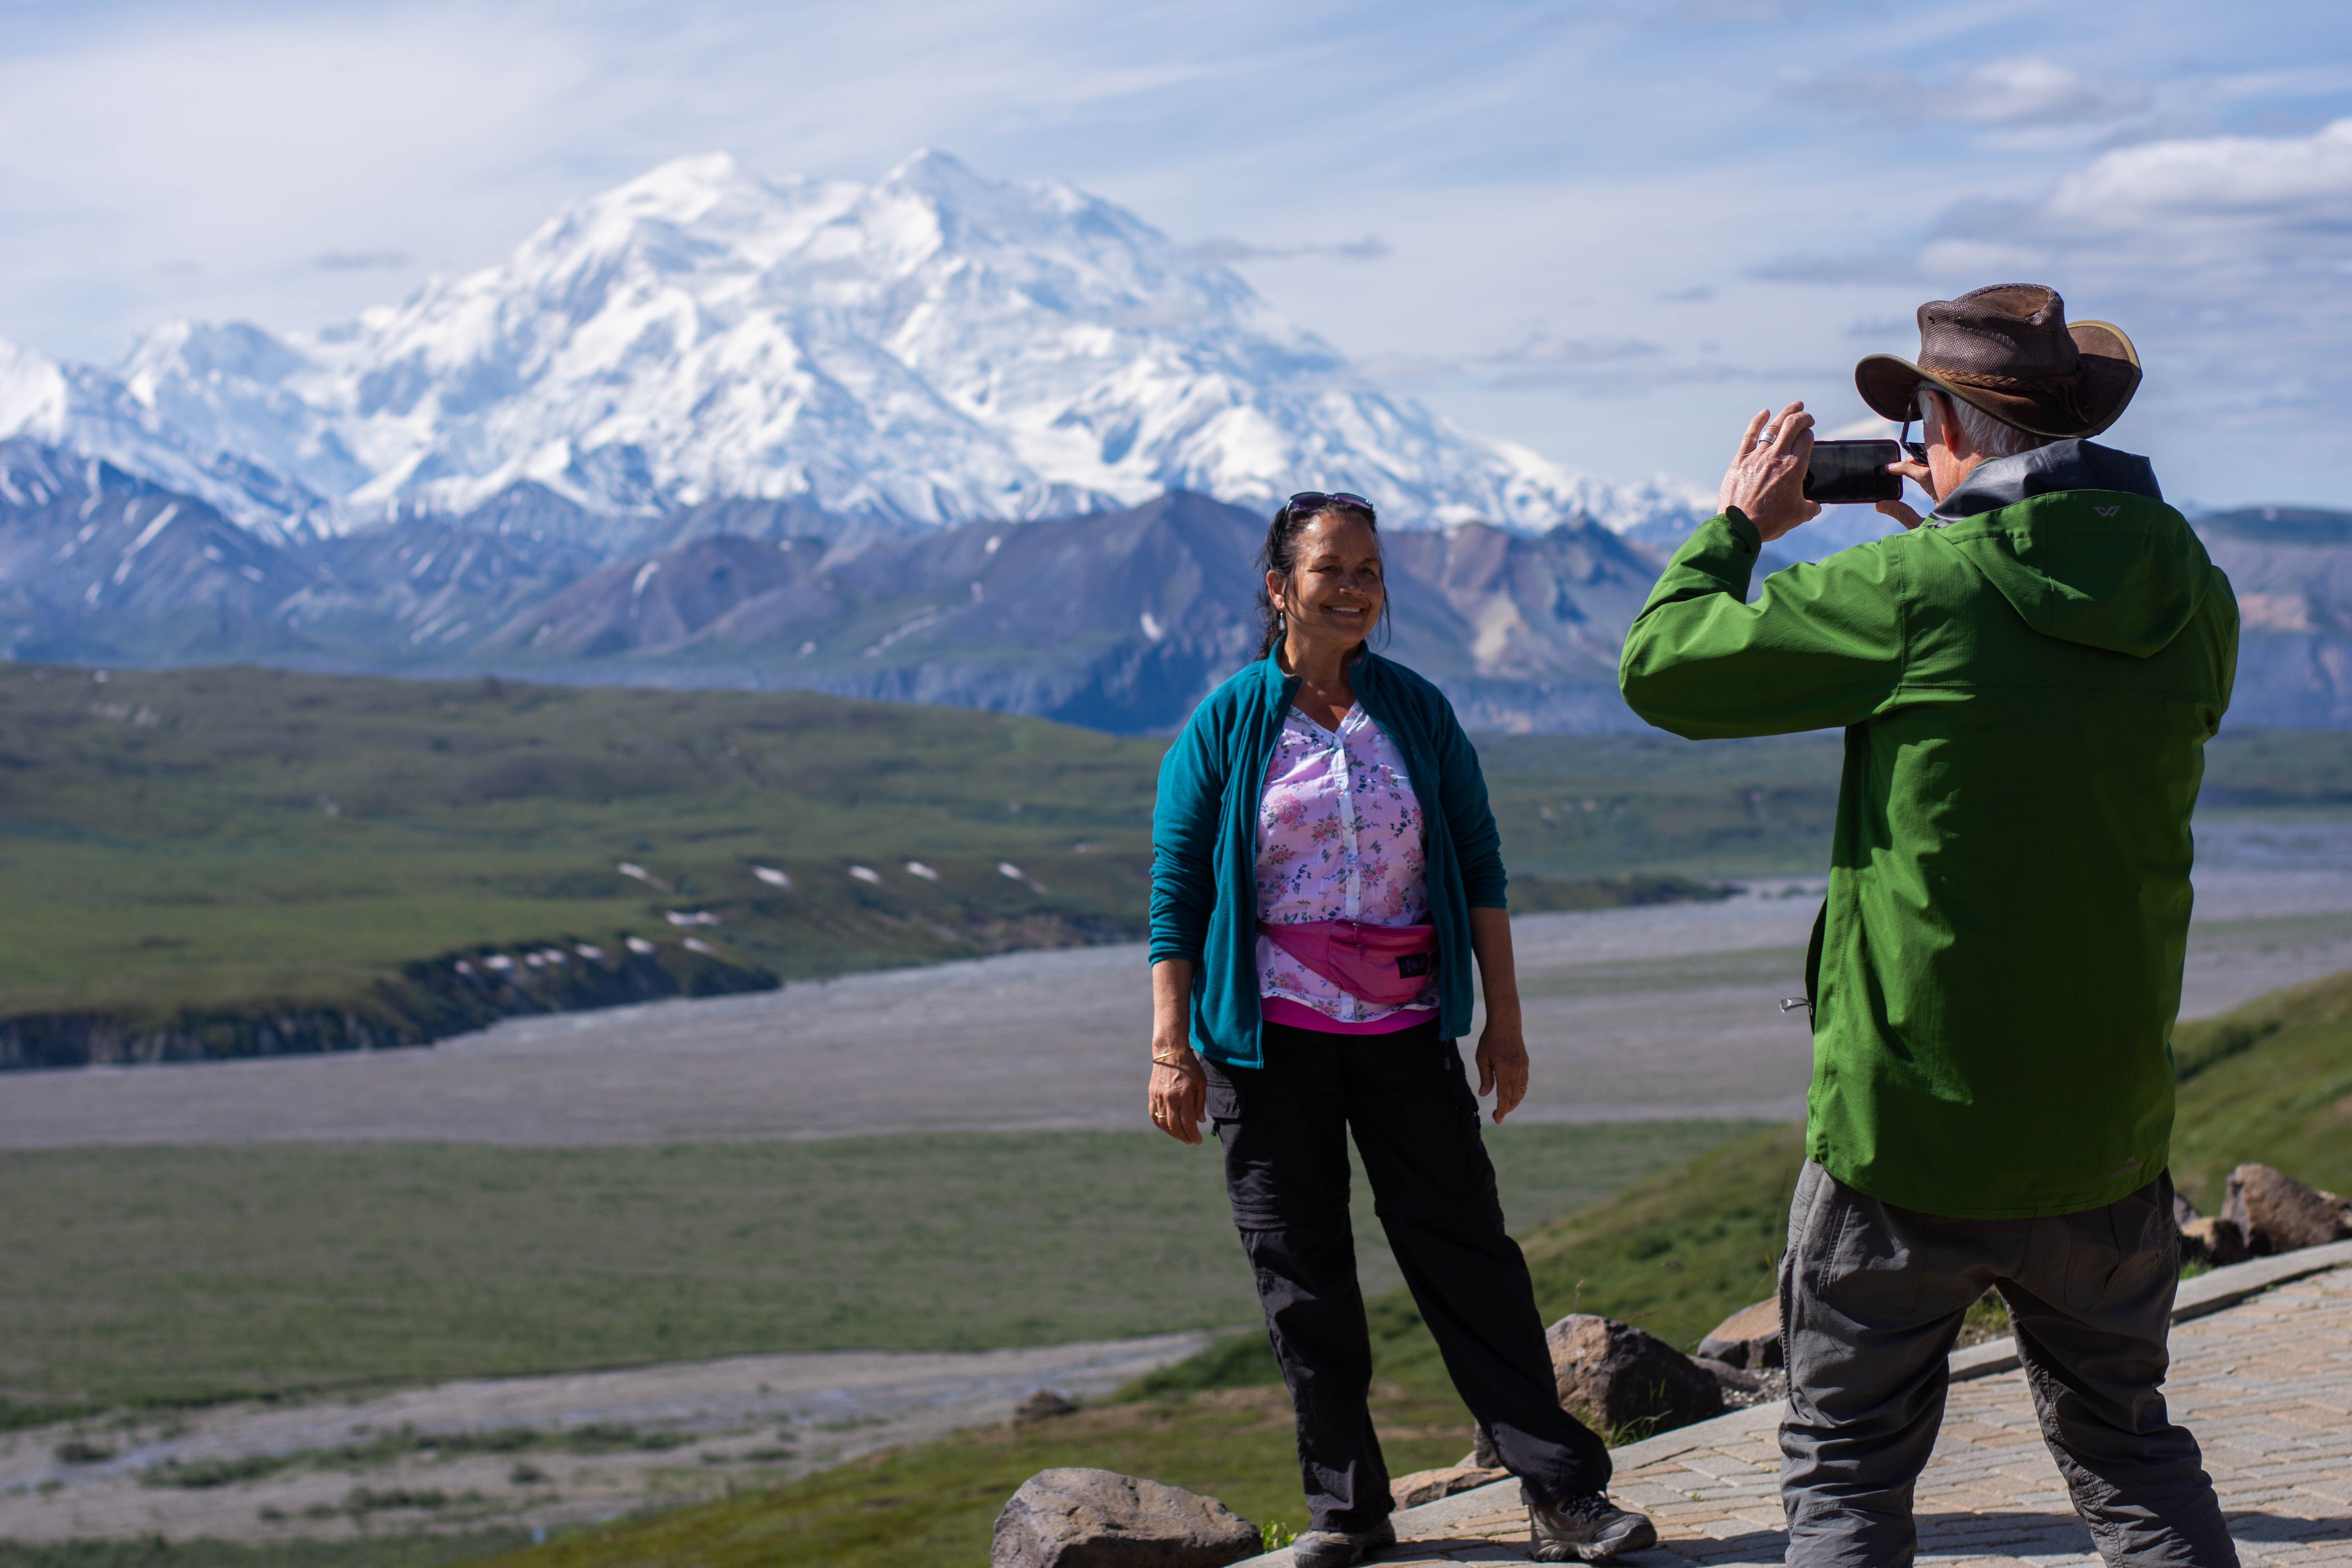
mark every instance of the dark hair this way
{"type": "Point", "coordinates": [1280, 554]}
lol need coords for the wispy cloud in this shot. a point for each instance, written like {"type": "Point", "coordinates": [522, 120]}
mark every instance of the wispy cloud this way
{"type": "Point", "coordinates": [1871, 328]}
{"type": "Point", "coordinates": [1543, 361]}
{"type": "Point", "coordinates": [2224, 257]}
{"type": "Point", "coordinates": [1877, 267]}
{"type": "Point", "coordinates": [360, 260]}
{"type": "Point", "coordinates": [1371, 248]}
{"type": "Point", "coordinates": [2251, 185]}
{"type": "Point", "coordinates": [2020, 90]}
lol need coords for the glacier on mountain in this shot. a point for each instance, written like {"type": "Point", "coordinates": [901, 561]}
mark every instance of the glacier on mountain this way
{"type": "Point", "coordinates": [933, 347]}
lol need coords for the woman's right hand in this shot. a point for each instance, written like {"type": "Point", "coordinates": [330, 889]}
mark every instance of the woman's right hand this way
{"type": "Point", "coordinates": [1180, 1091]}
{"type": "Point", "coordinates": [1180, 1084]}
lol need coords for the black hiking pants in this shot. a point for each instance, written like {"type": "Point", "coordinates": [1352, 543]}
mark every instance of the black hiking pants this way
{"type": "Point", "coordinates": [1285, 1128]}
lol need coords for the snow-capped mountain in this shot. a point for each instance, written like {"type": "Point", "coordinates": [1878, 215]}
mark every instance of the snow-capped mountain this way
{"type": "Point", "coordinates": [97, 415]}
{"type": "Point", "coordinates": [932, 348]}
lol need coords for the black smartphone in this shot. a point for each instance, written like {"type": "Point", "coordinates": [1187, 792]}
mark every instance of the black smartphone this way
{"type": "Point", "coordinates": [1853, 471]}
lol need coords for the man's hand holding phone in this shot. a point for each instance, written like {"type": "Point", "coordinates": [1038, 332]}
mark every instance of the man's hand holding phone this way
{"type": "Point", "coordinates": [1915, 470]}
{"type": "Point", "coordinates": [1767, 477]}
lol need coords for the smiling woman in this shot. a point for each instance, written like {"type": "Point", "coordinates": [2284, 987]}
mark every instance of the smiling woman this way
{"type": "Point", "coordinates": [1324, 865]}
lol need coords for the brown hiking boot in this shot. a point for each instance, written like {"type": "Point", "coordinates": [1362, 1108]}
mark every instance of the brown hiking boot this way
{"type": "Point", "coordinates": [1585, 1529]}
{"type": "Point", "coordinates": [1338, 1549]}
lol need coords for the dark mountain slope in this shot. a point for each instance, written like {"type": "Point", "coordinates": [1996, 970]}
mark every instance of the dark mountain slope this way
{"type": "Point", "coordinates": [1119, 621]}
{"type": "Point", "coordinates": [2292, 567]}
{"type": "Point", "coordinates": [97, 564]}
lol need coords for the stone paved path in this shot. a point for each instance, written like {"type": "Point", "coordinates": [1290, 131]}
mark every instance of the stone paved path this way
{"type": "Point", "coordinates": [2266, 1386]}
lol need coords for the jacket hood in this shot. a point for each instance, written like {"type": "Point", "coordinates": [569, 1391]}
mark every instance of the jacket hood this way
{"type": "Point", "coordinates": [2047, 469]}
{"type": "Point", "coordinates": [2082, 545]}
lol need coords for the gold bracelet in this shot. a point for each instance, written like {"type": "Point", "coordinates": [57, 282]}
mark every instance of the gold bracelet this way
{"type": "Point", "coordinates": [1170, 1061]}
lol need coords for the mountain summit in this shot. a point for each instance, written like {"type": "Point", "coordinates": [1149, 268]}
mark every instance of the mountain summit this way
{"type": "Point", "coordinates": [936, 347]}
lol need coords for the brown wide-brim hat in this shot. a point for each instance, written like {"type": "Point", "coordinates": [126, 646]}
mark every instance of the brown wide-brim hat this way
{"type": "Point", "coordinates": [2010, 351]}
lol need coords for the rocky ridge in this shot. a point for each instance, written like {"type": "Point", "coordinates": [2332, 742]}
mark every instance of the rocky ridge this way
{"type": "Point", "coordinates": [1118, 620]}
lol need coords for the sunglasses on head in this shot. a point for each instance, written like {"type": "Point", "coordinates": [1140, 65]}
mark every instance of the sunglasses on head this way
{"type": "Point", "coordinates": [1316, 500]}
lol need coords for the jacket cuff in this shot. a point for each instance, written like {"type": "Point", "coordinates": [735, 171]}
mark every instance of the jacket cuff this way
{"type": "Point", "coordinates": [1745, 534]}
{"type": "Point", "coordinates": [1723, 551]}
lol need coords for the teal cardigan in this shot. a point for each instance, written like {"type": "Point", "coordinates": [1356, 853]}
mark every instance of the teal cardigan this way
{"type": "Point", "coordinates": [1204, 841]}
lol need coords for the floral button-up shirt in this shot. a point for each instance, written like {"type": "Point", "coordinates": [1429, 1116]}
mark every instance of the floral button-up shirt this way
{"type": "Point", "coordinates": [1339, 838]}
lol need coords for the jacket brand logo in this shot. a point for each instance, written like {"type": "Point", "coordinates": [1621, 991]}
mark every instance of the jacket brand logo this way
{"type": "Point", "coordinates": [2107, 510]}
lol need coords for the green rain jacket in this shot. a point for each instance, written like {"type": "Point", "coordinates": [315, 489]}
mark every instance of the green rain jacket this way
{"type": "Point", "coordinates": [2027, 682]}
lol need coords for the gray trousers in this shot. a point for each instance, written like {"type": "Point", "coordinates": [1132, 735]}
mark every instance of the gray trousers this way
{"type": "Point", "coordinates": [1871, 1300]}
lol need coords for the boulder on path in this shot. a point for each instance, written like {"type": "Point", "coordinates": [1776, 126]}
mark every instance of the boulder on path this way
{"type": "Point", "coordinates": [1078, 1518]}
{"type": "Point", "coordinates": [2275, 1212]}
{"type": "Point", "coordinates": [1428, 1485]}
{"type": "Point", "coordinates": [2184, 1212]}
{"type": "Point", "coordinates": [1748, 1339]}
{"type": "Point", "coordinates": [1045, 1404]}
{"type": "Point", "coordinates": [1483, 1454]}
{"type": "Point", "coordinates": [1729, 1379]}
{"type": "Point", "coordinates": [2214, 1241]}
{"type": "Point", "coordinates": [1613, 1376]}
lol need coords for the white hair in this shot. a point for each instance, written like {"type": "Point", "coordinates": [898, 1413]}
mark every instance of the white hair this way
{"type": "Point", "coordinates": [1985, 432]}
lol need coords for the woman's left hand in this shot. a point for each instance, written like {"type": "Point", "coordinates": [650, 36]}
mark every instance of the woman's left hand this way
{"type": "Point", "coordinates": [1502, 1061]}
{"type": "Point", "coordinates": [1502, 1056]}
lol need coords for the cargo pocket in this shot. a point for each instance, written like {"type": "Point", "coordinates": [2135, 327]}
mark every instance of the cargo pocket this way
{"type": "Point", "coordinates": [1457, 1074]}
{"type": "Point", "coordinates": [1866, 1267]}
{"type": "Point", "coordinates": [2120, 1253]}
{"type": "Point", "coordinates": [1222, 1101]}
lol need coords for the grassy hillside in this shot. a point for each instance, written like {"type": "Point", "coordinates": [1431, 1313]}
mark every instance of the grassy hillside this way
{"type": "Point", "coordinates": [1584, 805]}
{"type": "Point", "coordinates": [153, 1552]}
{"type": "Point", "coordinates": [1683, 1245]}
{"type": "Point", "coordinates": [234, 838]}
{"type": "Point", "coordinates": [2271, 1081]}
{"type": "Point", "coordinates": [141, 1274]}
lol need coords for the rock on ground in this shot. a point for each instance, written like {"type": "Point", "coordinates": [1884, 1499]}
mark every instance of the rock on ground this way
{"type": "Point", "coordinates": [1612, 1374]}
{"type": "Point", "coordinates": [2213, 1241]}
{"type": "Point", "coordinates": [1045, 1404]}
{"type": "Point", "coordinates": [1078, 1518]}
{"type": "Point", "coordinates": [1428, 1485]}
{"type": "Point", "coordinates": [1749, 1339]}
{"type": "Point", "coordinates": [1743, 1389]}
{"type": "Point", "coordinates": [1483, 1454]}
{"type": "Point", "coordinates": [2275, 1212]}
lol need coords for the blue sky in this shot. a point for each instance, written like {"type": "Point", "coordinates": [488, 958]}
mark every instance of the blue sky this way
{"type": "Point", "coordinates": [1610, 231]}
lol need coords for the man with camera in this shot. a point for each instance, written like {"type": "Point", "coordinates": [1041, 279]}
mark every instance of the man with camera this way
{"type": "Point", "coordinates": [2027, 678]}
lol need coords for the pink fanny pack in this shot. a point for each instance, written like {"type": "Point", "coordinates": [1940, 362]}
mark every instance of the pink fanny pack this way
{"type": "Point", "coordinates": [1385, 965]}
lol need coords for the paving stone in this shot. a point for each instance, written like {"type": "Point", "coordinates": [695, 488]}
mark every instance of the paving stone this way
{"type": "Point", "coordinates": [2266, 1386]}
